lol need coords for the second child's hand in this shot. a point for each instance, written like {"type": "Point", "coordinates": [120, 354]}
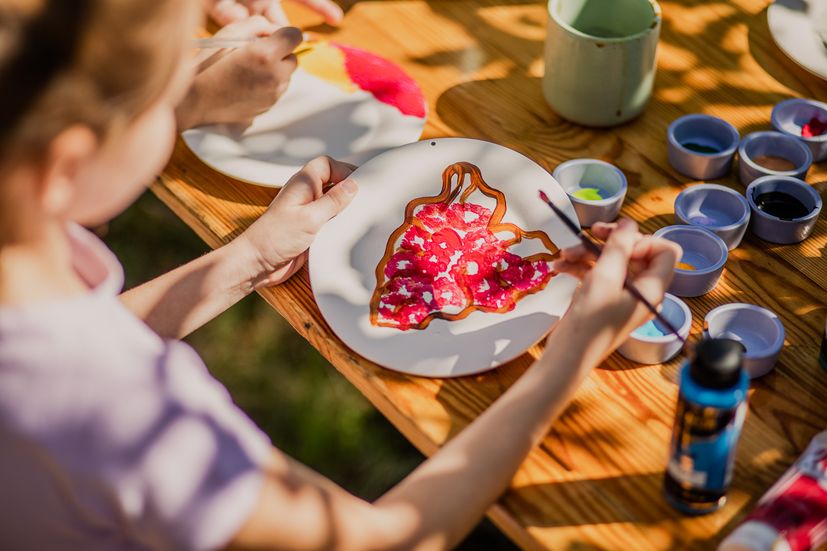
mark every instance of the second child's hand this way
{"type": "Point", "coordinates": [229, 11]}
{"type": "Point", "coordinates": [235, 86]}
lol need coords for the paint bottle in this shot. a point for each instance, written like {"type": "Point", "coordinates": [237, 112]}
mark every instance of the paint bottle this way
{"type": "Point", "coordinates": [792, 515]}
{"type": "Point", "coordinates": [712, 404]}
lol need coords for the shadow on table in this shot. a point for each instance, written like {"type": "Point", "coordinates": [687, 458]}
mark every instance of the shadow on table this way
{"type": "Point", "coordinates": [775, 62]}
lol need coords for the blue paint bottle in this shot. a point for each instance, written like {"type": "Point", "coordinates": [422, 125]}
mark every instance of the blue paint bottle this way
{"type": "Point", "coordinates": [712, 404]}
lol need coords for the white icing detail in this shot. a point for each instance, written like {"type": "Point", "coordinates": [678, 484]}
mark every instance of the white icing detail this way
{"type": "Point", "coordinates": [472, 268]}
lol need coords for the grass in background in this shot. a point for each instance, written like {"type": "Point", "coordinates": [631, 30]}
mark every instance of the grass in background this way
{"type": "Point", "coordinates": [306, 407]}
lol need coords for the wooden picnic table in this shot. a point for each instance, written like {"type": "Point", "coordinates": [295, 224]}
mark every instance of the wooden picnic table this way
{"type": "Point", "coordinates": [595, 481]}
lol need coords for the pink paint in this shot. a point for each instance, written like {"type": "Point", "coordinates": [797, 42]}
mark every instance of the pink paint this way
{"type": "Point", "coordinates": [814, 128]}
{"type": "Point", "coordinates": [385, 80]}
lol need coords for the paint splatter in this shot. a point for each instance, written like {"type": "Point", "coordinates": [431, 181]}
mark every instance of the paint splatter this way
{"type": "Point", "coordinates": [686, 266]}
{"type": "Point", "coordinates": [813, 128]}
{"type": "Point", "coordinates": [649, 329]}
{"type": "Point", "coordinates": [700, 148]}
{"type": "Point", "coordinates": [588, 194]}
{"type": "Point", "coordinates": [351, 69]}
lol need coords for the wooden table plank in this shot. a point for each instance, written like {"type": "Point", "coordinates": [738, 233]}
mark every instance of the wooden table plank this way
{"type": "Point", "coordinates": [595, 482]}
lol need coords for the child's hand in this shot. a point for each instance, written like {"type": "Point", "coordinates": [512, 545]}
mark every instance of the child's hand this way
{"type": "Point", "coordinates": [236, 87]}
{"type": "Point", "coordinates": [228, 11]}
{"type": "Point", "coordinates": [279, 239]}
{"type": "Point", "coordinates": [602, 306]}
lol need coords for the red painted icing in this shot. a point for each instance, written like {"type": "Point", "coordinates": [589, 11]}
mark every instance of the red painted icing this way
{"type": "Point", "coordinates": [450, 258]}
{"type": "Point", "coordinates": [385, 80]}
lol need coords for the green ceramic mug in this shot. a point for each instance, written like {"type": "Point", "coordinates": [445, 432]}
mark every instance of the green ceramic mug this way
{"type": "Point", "coordinates": [600, 59]}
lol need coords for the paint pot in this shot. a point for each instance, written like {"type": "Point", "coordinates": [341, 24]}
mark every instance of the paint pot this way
{"type": "Point", "coordinates": [758, 330]}
{"type": "Point", "coordinates": [704, 256]}
{"type": "Point", "coordinates": [595, 188]}
{"type": "Point", "coordinates": [761, 153]}
{"type": "Point", "coordinates": [721, 210]}
{"type": "Point", "coordinates": [803, 119]}
{"type": "Point", "coordinates": [653, 343]}
{"type": "Point", "coordinates": [766, 197]}
{"type": "Point", "coordinates": [701, 146]}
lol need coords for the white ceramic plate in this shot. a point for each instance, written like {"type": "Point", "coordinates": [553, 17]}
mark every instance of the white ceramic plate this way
{"type": "Point", "coordinates": [325, 111]}
{"type": "Point", "coordinates": [791, 26]}
{"type": "Point", "coordinates": [344, 257]}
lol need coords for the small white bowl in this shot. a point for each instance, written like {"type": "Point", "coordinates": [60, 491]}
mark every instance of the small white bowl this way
{"type": "Point", "coordinates": [704, 251]}
{"type": "Point", "coordinates": [576, 174]}
{"type": "Point", "coordinates": [721, 210]}
{"type": "Point", "coordinates": [759, 330]}
{"type": "Point", "coordinates": [649, 350]}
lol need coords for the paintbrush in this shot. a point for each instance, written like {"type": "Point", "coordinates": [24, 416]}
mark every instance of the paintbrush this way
{"type": "Point", "coordinates": [595, 249]}
{"type": "Point", "coordinates": [233, 43]}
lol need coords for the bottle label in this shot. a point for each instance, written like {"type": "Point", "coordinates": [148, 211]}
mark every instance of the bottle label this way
{"type": "Point", "coordinates": [703, 446]}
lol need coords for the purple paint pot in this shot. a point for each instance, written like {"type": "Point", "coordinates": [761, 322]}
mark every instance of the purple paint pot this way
{"type": "Point", "coordinates": [792, 116]}
{"type": "Point", "coordinates": [701, 146]}
{"type": "Point", "coordinates": [658, 345]}
{"type": "Point", "coordinates": [773, 226]}
{"type": "Point", "coordinates": [721, 210]}
{"type": "Point", "coordinates": [595, 188]}
{"type": "Point", "coordinates": [700, 267]}
{"type": "Point", "coordinates": [759, 330]}
{"type": "Point", "coordinates": [772, 154]}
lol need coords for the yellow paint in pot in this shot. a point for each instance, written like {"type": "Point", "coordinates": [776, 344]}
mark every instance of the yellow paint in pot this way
{"type": "Point", "coordinates": [686, 266]}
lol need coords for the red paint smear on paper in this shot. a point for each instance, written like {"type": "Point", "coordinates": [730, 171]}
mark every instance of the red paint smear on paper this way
{"type": "Point", "coordinates": [814, 128]}
{"type": "Point", "coordinates": [385, 80]}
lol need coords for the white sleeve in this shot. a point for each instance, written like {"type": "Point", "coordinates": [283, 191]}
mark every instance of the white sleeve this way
{"type": "Point", "coordinates": [199, 472]}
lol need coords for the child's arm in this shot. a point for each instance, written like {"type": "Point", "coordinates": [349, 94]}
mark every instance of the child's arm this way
{"type": "Point", "coordinates": [435, 506]}
{"type": "Point", "coordinates": [271, 250]}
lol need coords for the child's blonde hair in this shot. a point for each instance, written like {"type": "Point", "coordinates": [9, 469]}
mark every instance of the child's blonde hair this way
{"type": "Point", "coordinates": [98, 63]}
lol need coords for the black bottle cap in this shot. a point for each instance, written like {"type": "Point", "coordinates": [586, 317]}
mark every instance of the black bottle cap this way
{"type": "Point", "coordinates": [718, 363]}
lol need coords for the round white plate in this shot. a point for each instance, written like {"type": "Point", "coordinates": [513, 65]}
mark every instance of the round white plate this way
{"type": "Point", "coordinates": [316, 116]}
{"type": "Point", "coordinates": [345, 254]}
{"type": "Point", "coordinates": [791, 26]}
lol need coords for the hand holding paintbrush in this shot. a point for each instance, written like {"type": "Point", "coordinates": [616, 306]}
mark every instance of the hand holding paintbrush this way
{"type": "Point", "coordinates": [245, 68]}
{"type": "Point", "coordinates": [672, 254]}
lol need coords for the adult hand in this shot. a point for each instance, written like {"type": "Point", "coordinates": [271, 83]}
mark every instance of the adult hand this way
{"type": "Point", "coordinates": [229, 11]}
{"type": "Point", "coordinates": [602, 306]}
{"type": "Point", "coordinates": [236, 86]}
{"type": "Point", "coordinates": [279, 239]}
